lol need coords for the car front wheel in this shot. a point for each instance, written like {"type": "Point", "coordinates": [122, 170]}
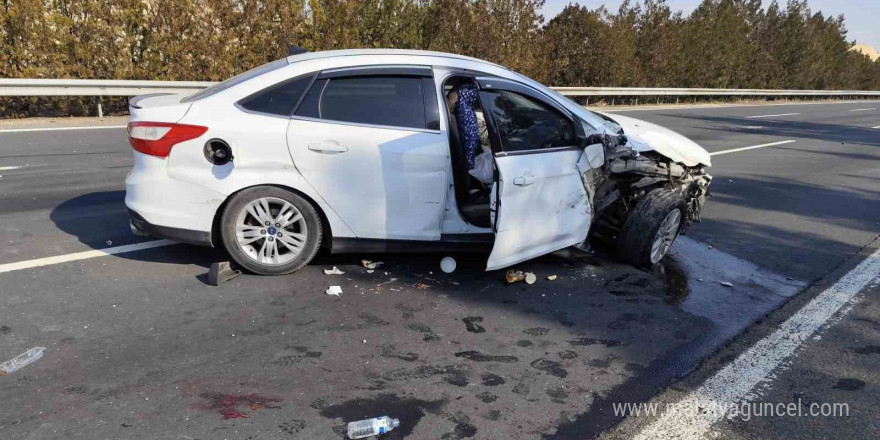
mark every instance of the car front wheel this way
{"type": "Point", "coordinates": [270, 231]}
{"type": "Point", "coordinates": [651, 227]}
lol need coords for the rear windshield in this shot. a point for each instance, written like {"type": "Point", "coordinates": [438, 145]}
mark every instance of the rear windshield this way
{"type": "Point", "coordinates": [235, 80]}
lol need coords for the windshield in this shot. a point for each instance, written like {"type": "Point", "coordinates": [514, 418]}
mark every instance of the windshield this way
{"type": "Point", "coordinates": [240, 78]}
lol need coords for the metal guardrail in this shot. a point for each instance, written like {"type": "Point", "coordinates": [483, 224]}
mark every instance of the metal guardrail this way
{"type": "Point", "coordinates": [94, 87]}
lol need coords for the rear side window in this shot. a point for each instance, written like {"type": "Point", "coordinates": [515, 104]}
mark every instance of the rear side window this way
{"type": "Point", "coordinates": [525, 124]}
{"type": "Point", "coordinates": [377, 100]}
{"type": "Point", "coordinates": [279, 99]}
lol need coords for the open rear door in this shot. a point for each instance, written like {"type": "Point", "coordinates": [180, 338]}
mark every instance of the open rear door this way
{"type": "Point", "coordinates": [541, 205]}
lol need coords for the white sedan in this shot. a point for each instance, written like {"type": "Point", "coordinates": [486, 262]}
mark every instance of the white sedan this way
{"type": "Point", "coordinates": [409, 151]}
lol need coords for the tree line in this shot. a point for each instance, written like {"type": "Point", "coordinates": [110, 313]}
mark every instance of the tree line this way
{"type": "Point", "coordinates": [723, 43]}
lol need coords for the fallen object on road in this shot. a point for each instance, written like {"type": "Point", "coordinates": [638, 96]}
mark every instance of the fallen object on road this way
{"type": "Point", "coordinates": [334, 271]}
{"type": "Point", "coordinates": [334, 291]}
{"type": "Point", "coordinates": [514, 276]}
{"type": "Point", "coordinates": [221, 272]}
{"type": "Point", "coordinates": [551, 278]}
{"type": "Point", "coordinates": [372, 264]}
{"type": "Point", "coordinates": [371, 427]}
{"type": "Point", "coordinates": [726, 283]}
{"type": "Point", "coordinates": [21, 361]}
{"type": "Point", "coordinates": [447, 264]}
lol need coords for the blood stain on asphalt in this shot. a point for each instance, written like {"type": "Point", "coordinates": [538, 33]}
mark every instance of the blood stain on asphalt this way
{"type": "Point", "coordinates": [227, 405]}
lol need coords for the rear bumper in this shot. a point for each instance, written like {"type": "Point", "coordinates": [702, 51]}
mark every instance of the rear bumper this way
{"type": "Point", "coordinates": [140, 225]}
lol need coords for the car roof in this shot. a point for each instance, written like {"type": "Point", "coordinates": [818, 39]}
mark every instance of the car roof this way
{"type": "Point", "coordinates": [377, 52]}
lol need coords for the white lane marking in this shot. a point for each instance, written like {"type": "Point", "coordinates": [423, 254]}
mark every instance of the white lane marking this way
{"type": "Point", "coordinates": [876, 127]}
{"type": "Point", "coordinates": [863, 109]}
{"type": "Point", "coordinates": [771, 116]}
{"type": "Point", "coordinates": [9, 168]}
{"type": "Point", "coordinates": [28, 264]}
{"type": "Point", "coordinates": [24, 130]}
{"type": "Point", "coordinates": [699, 106]}
{"type": "Point", "coordinates": [732, 385]}
{"type": "Point", "coordinates": [753, 147]}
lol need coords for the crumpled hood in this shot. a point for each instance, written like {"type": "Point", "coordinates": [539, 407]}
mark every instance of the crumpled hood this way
{"type": "Point", "coordinates": [646, 136]}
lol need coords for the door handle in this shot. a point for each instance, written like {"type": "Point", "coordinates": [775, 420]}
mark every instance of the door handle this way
{"type": "Point", "coordinates": [524, 180]}
{"type": "Point", "coordinates": [330, 147]}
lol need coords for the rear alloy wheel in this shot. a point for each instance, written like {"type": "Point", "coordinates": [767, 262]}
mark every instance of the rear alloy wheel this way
{"type": "Point", "coordinates": [270, 231]}
{"type": "Point", "coordinates": [651, 226]}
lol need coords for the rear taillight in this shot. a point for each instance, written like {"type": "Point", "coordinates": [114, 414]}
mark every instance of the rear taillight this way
{"type": "Point", "coordinates": [157, 138]}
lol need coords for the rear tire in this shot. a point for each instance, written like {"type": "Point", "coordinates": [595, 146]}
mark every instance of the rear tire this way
{"type": "Point", "coordinates": [651, 227]}
{"type": "Point", "coordinates": [270, 231]}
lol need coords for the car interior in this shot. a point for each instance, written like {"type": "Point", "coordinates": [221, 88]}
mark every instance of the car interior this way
{"type": "Point", "coordinates": [471, 195]}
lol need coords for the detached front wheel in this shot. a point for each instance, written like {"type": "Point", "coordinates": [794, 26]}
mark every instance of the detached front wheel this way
{"type": "Point", "coordinates": [651, 227]}
{"type": "Point", "coordinates": [270, 231]}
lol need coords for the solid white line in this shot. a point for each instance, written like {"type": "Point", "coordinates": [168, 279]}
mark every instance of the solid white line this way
{"type": "Point", "coordinates": [28, 264]}
{"type": "Point", "coordinates": [772, 116]}
{"type": "Point", "coordinates": [732, 385]}
{"type": "Point", "coordinates": [9, 168]}
{"type": "Point", "coordinates": [698, 106]}
{"type": "Point", "coordinates": [23, 130]}
{"type": "Point", "coordinates": [862, 109]}
{"type": "Point", "coordinates": [753, 147]}
{"type": "Point", "coordinates": [876, 127]}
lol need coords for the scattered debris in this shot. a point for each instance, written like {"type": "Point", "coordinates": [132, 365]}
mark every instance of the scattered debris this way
{"type": "Point", "coordinates": [710, 246]}
{"type": "Point", "coordinates": [370, 271]}
{"type": "Point", "coordinates": [21, 361]}
{"type": "Point", "coordinates": [514, 276]}
{"type": "Point", "coordinates": [447, 264]}
{"type": "Point", "coordinates": [371, 427]}
{"type": "Point", "coordinates": [334, 271]}
{"type": "Point", "coordinates": [386, 282]}
{"type": "Point", "coordinates": [551, 278]}
{"type": "Point", "coordinates": [531, 278]}
{"type": "Point", "coordinates": [109, 242]}
{"type": "Point", "coordinates": [726, 283]}
{"type": "Point", "coordinates": [221, 272]}
{"type": "Point", "coordinates": [371, 264]}
{"type": "Point", "coordinates": [422, 286]}
{"type": "Point", "coordinates": [334, 291]}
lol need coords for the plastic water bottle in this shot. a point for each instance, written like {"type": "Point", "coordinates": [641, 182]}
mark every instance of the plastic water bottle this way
{"type": "Point", "coordinates": [370, 427]}
{"type": "Point", "coordinates": [21, 360]}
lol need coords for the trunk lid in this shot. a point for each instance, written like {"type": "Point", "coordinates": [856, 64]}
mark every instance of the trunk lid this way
{"type": "Point", "coordinates": [158, 107]}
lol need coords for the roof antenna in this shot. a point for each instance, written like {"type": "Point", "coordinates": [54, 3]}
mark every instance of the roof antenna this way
{"type": "Point", "coordinates": [295, 50]}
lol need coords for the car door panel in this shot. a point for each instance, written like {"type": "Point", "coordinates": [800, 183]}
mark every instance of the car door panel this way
{"type": "Point", "coordinates": [385, 183]}
{"type": "Point", "coordinates": [540, 201]}
{"type": "Point", "coordinates": [550, 213]}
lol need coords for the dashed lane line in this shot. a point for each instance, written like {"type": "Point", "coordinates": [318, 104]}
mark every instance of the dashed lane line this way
{"type": "Point", "coordinates": [732, 385]}
{"type": "Point", "coordinates": [753, 147]}
{"type": "Point", "coordinates": [28, 264]}
{"type": "Point", "coordinates": [26, 130]}
{"type": "Point", "coordinates": [863, 109]}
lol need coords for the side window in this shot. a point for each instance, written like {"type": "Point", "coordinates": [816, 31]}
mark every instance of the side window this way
{"type": "Point", "coordinates": [524, 123]}
{"type": "Point", "coordinates": [379, 100]}
{"type": "Point", "coordinates": [279, 99]}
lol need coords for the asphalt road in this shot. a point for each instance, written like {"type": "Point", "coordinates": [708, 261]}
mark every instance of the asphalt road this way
{"type": "Point", "coordinates": [138, 346]}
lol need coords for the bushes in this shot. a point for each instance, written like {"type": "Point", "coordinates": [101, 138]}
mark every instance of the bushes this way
{"type": "Point", "coordinates": [723, 43]}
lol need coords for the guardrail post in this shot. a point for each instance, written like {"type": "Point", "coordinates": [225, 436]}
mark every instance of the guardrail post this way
{"type": "Point", "coordinates": [100, 110]}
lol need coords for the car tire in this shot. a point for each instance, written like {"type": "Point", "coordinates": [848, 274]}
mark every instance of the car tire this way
{"type": "Point", "coordinates": [651, 227]}
{"type": "Point", "coordinates": [275, 248]}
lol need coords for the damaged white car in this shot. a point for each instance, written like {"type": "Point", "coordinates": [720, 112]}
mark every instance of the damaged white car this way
{"type": "Point", "coordinates": [404, 151]}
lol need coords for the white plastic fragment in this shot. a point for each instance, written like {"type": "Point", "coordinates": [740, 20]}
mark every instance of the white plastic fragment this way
{"type": "Point", "coordinates": [334, 271]}
{"type": "Point", "coordinates": [551, 277]}
{"type": "Point", "coordinates": [371, 264]}
{"type": "Point", "coordinates": [21, 361]}
{"type": "Point", "coordinates": [448, 264]}
{"type": "Point", "coordinates": [334, 291]}
{"type": "Point", "coordinates": [531, 278]}
{"type": "Point", "coordinates": [370, 271]}
{"type": "Point", "coordinates": [726, 284]}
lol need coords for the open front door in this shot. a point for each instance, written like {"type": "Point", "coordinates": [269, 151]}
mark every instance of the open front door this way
{"type": "Point", "coordinates": [541, 205]}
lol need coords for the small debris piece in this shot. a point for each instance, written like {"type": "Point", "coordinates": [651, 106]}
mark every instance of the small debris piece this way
{"type": "Point", "coordinates": [448, 264]}
{"type": "Point", "coordinates": [422, 286]}
{"type": "Point", "coordinates": [109, 242]}
{"type": "Point", "coordinates": [334, 271]}
{"type": "Point", "coordinates": [726, 284]}
{"type": "Point", "coordinates": [370, 271]}
{"type": "Point", "coordinates": [334, 291]}
{"type": "Point", "coordinates": [551, 277]}
{"type": "Point", "coordinates": [371, 264]}
{"type": "Point", "coordinates": [531, 278]}
{"type": "Point", "coordinates": [21, 360]}
{"type": "Point", "coordinates": [221, 272]}
{"type": "Point", "coordinates": [514, 276]}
